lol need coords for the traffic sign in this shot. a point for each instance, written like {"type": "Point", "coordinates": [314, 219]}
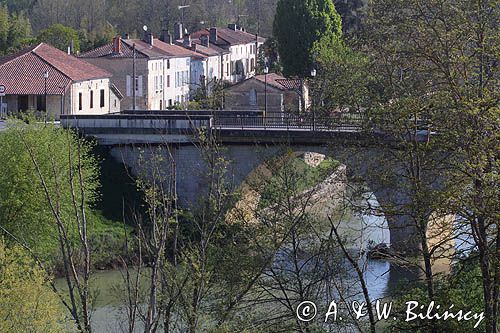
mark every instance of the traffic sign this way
{"type": "Point", "coordinates": [2, 90]}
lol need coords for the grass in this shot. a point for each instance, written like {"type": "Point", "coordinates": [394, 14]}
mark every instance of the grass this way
{"type": "Point", "coordinates": [295, 176]}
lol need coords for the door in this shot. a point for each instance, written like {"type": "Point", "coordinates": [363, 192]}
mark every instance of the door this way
{"type": "Point", "coordinates": [22, 103]}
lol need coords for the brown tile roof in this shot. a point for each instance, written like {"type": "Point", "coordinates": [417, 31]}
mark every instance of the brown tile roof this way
{"type": "Point", "coordinates": [173, 50]}
{"type": "Point", "coordinates": [106, 51]}
{"type": "Point", "coordinates": [211, 50]}
{"type": "Point", "coordinates": [227, 37]}
{"type": "Point", "coordinates": [278, 81]}
{"type": "Point", "coordinates": [22, 73]}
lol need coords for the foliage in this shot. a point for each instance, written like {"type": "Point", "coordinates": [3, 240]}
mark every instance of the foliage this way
{"type": "Point", "coordinates": [462, 289]}
{"type": "Point", "coordinates": [60, 37]}
{"type": "Point", "coordinates": [301, 28]}
{"type": "Point", "coordinates": [344, 81]}
{"type": "Point", "coordinates": [24, 209]}
{"type": "Point", "coordinates": [15, 31]}
{"type": "Point", "coordinates": [209, 96]}
{"type": "Point", "coordinates": [26, 302]}
{"type": "Point", "coordinates": [437, 73]}
{"type": "Point", "coordinates": [308, 177]}
{"type": "Point", "coordinates": [268, 56]}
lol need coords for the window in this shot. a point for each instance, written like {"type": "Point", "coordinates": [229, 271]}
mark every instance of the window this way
{"type": "Point", "coordinates": [161, 105]}
{"type": "Point", "coordinates": [168, 81]}
{"type": "Point", "coordinates": [91, 99]}
{"type": "Point", "coordinates": [168, 63]}
{"type": "Point", "coordinates": [80, 101]}
{"type": "Point", "coordinates": [170, 102]}
{"type": "Point", "coordinates": [102, 98]}
{"type": "Point", "coordinates": [161, 82]}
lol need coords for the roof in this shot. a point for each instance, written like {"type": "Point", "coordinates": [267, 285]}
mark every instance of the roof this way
{"type": "Point", "coordinates": [211, 50]}
{"type": "Point", "coordinates": [173, 50]}
{"type": "Point", "coordinates": [23, 73]}
{"type": "Point", "coordinates": [278, 81]}
{"type": "Point", "coordinates": [228, 37]}
{"type": "Point", "coordinates": [106, 51]}
{"type": "Point", "coordinates": [143, 50]}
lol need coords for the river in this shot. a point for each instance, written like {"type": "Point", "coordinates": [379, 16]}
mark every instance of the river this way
{"type": "Point", "coordinates": [381, 276]}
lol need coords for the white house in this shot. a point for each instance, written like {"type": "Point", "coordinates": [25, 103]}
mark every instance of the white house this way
{"type": "Point", "coordinates": [241, 60]}
{"type": "Point", "coordinates": [163, 71]}
{"type": "Point", "coordinates": [43, 78]}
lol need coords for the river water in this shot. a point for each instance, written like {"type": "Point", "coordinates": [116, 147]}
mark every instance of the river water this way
{"type": "Point", "coordinates": [382, 277]}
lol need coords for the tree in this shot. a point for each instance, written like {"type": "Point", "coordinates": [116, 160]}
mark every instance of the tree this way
{"type": "Point", "coordinates": [60, 37]}
{"type": "Point", "coordinates": [15, 31]}
{"type": "Point", "coordinates": [50, 195]}
{"type": "Point", "coordinates": [299, 27]}
{"type": "Point", "coordinates": [439, 67]}
{"type": "Point", "coordinates": [27, 304]}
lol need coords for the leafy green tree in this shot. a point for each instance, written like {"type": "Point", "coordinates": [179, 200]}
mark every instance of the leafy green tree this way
{"type": "Point", "coordinates": [15, 31]}
{"type": "Point", "coordinates": [60, 37]}
{"type": "Point", "coordinates": [27, 304]}
{"type": "Point", "coordinates": [301, 28]}
{"type": "Point", "coordinates": [439, 67]}
{"type": "Point", "coordinates": [24, 210]}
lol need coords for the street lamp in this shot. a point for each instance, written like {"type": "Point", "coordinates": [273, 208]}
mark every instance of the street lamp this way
{"type": "Point", "coordinates": [313, 75]}
{"type": "Point", "coordinates": [266, 70]}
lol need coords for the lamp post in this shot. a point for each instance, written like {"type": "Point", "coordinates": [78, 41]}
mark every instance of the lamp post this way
{"type": "Point", "coordinates": [266, 70]}
{"type": "Point", "coordinates": [313, 106]}
{"type": "Point", "coordinates": [46, 77]}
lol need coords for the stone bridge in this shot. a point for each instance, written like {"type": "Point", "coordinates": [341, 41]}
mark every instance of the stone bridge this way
{"type": "Point", "coordinates": [247, 141]}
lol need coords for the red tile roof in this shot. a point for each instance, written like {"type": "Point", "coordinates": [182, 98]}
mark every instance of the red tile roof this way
{"type": "Point", "coordinates": [22, 73]}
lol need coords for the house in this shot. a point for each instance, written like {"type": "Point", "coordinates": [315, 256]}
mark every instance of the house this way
{"type": "Point", "coordinates": [283, 95]}
{"type": "Point", "coordinates": [241, 61]}
{"type": "Point", "coordinates": [162, 70]}
{"type": "Point", "coordinates": [44, 78]}
{"type": "Point", "coordinates": [208, 69]}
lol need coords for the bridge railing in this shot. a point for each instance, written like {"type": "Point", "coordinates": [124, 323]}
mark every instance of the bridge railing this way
{"type": "Point", "coordinates": [338, 122]}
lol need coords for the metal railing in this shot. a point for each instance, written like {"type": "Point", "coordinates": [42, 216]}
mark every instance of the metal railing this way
{"type": "Point", "coordinates": [340, 122]}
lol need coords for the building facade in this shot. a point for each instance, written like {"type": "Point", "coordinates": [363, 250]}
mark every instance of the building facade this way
{"type": "Point", "coordinates": [240, 60]}
{"type": "Point", "coordinates": [271, 93]}
{"type": "Point", "coordinates": [43, 78]}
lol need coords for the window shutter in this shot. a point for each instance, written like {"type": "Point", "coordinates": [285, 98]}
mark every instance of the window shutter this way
{"type": "Point", "coordinates": [129, 85]}
{"type": "Point", "coordinates": [139, 88]}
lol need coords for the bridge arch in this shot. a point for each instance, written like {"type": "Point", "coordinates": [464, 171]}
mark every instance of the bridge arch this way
{"type": "Point", "coordinates": [244, 158]}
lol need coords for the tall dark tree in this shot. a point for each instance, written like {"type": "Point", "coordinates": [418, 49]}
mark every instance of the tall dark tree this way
{"type": "Point", "coordinates": [301, 27]}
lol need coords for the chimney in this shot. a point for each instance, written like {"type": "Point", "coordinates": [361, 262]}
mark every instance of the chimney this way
{"type": "Point", "coordinates": [148, 38]}
{"type": "Point", "coordinates": [205, 40]}
{"type": "Point", "coordinates": [126, 36]}
{"type": "Point", "coordinates": [166, 37]}
{"type": "Point", "coordinates": [117, 45]}
{"type": "Point", "coordinates": [213, 35]}
{"type": "Point", "coordinates": [187, 41]}
{"type": "Point", "coordinates": [178, 33]}
{"type": "Point", "coordinates": [232, 26]}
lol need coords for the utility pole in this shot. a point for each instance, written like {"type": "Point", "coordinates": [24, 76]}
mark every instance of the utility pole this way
{"type": "Point", "coordinates": [133, 78]}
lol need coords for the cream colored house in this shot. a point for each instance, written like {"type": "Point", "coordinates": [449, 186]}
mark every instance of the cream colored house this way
{"type": "Point", "coordinates": [43, 78]}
